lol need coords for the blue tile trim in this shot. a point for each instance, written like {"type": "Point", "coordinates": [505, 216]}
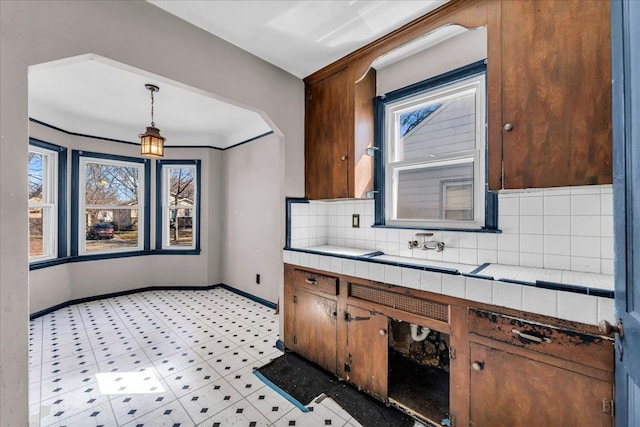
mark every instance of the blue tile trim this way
{"type": "Point", "coordinates": [281, 392]}
{"type": "Point", "coordinates": [574, 288]}
{"type": "Point", "coordinates": [553, 286]}
{"type": "Point", "coordinates": [539, 284]}
{"type": "Point", "coordinates": [289, 201]}
{"type": "Point", "coordinates": [370, 257]}
{"type": "Point", "coordinates": [480, 268]}
{"type": "Point", "coordinates": [478, 276]}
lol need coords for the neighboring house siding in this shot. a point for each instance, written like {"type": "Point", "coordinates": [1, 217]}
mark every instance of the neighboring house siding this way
{"type": "Point", "coordinates": [450, 128]}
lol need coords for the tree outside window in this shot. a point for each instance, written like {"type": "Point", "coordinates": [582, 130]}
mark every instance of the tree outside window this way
{"type": "Point", "coordinates": [111, 210]}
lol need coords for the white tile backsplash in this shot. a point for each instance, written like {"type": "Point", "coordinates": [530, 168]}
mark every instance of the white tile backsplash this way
{"type": "Point", "coordinates": [507, 295]}
{"type": "Point", "coordinates": [454, 286]}
{"type": "Point", "coordinates": [578, 307]}
{"type": "Point", "coordinates": [478, 290]}
{"type": "Point", "coordinates": [541, 301]}
{"type": "Point", "coordinates": [562, 228]}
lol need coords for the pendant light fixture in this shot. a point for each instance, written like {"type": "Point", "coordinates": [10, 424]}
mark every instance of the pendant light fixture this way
{"type": "Point", "coordinates": [151, 142]}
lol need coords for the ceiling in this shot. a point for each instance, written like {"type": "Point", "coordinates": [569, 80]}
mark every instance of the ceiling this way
{"type": "Point", "coordinates": [298, 36]}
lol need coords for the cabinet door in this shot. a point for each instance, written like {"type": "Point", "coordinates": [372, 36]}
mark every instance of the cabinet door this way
{"type": "Point", "coordinates": [326, 135]}
{"type": "Point", "coordinates": [556, 95]}
{"type": "Point", "coordinates": [314, 329]}
{"type": "Point", "coordinates": [510, 390]}
{"type": "Point", "coordinates": [367, 364]}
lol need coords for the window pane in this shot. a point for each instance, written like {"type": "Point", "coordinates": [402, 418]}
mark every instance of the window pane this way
{"type": "Point", "coordinates": [458, 200]}
{"type": "Point", "coordinates": [432, 130]}
{"type": "Point", "coordinates": [111, 185]}
{"type": "Point", "coordinates": [181, 194]}
{"type": "Point", "coordinates": [180, 227]}
{"type": "Point", "coordinates": [181, 186]}
{"type": "Point", "coordinates": [420, 193]}
{"type": "Point", "coordinates": [36, 247]}
{"type": "Point", "coordinates": [111, 229]}
{"type": "Point", "coordinates": [36, 166]}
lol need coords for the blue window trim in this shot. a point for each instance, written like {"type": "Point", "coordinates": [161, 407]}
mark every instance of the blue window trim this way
{"type": "Point", "coordinates": [289, 201]}
{"type": "Point", "coordinates": [159, 249]}
{"type": "Point", "coordinates": [491, 199]}
{"type": "Point", "coordinates": [75, 204]}
{"type": "Point", "coordinates": [61, 200]}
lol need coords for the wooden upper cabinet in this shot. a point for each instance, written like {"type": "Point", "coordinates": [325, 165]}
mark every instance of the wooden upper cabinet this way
{"type": "Point", "coordinates": [326, 137]}
{"type": "Point", "coordinates": [549, 94]}
{"type": "Point", "coordinates": [338, 129]}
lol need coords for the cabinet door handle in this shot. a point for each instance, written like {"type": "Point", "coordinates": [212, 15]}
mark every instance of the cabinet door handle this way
{"type": "Point", "coordinates": [343, 158]}
{"type": "Point", "coordinates": [531, 337]}
{"type": "Point", "coordinates": [477, 366]}
{"type": "Point", "coordinates": [311, 281]}
{"type": "Point", "coordinates": [508, 126]}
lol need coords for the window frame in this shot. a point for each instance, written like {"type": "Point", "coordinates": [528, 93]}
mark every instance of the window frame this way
{"type": "Point", "coordinates": [486, 210]}
{"type": "Point", "coordinates": [78, 207]}
{"type": "Point", "coordinates": [56, 174]}
{"type": "Point", "coordinates": [161, 193]}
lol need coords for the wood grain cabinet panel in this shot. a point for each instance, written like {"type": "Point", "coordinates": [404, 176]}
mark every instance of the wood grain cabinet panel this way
{"type": "Point", "coordinates": [511, 390]}
{"type": "Point", "coordinates": [326, 137]}
{"type": "Point", "coordinates": [314, 329]}
{"type": "Point", "coordinates": [549, 94]}
{"type": "Point", "coordinates": [338, 130]}
{"type": "Point", "coordinates": [367, 363]}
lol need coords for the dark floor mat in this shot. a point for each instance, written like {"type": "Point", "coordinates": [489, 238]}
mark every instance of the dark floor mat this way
{"type": "Point", "coordinates": [304, 381]}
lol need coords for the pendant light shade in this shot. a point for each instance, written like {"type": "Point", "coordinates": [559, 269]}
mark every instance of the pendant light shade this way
{"type": "Point", "coordinates": [151, 142]}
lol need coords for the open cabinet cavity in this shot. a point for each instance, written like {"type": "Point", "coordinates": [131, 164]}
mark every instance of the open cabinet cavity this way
{"type": "Point", "coordinates": [419, 371]}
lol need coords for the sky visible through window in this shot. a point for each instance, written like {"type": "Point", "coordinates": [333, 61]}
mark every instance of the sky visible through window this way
{"type": "Point", "coordinates": [411, 119]}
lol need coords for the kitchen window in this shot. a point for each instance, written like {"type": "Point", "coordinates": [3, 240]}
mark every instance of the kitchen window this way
{"type": "Point", "coordinates": [432, 153]}
{"type": "Point", "coordinates": [44, 197]}
{"type": "Point", "coordinates": [178, 205]}
{"type": "Point", "coordinates": [110, 203]}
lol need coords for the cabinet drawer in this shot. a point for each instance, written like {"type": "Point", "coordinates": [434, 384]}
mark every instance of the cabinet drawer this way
{"type": "Point", "coordinates": [591, 350]}
{"type": "Point", "coordinates": [316, 282]}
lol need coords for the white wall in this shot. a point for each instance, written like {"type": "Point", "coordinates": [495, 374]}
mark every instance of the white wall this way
{"type": "Point", "coordinates": [254, 228]}
{"type": "Point", "coordinates": [463, 49]}
{"type": "Point", "coordinates": [135, 33]}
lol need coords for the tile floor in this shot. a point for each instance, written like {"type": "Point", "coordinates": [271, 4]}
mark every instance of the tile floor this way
{"type": "Point", "coordinates": [162, 358]}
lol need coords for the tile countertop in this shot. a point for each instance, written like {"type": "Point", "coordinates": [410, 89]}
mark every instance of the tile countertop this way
{"type": "Point", "coordinates": [546, 275]}
{"type": "Point", "coordinates": [574, 296]}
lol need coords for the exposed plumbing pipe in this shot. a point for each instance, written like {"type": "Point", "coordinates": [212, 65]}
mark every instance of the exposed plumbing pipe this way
{"type": "Point", "coordinates": [424, 332]}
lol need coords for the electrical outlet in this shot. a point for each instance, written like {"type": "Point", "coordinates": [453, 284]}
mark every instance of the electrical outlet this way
{"type": "Point", "coordinates": [355, 220]}
{"type": "Point", "coordinates": [257, 279]}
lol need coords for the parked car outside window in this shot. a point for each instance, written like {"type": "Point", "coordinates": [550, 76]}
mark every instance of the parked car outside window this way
{"type": "Point", "coordinates": [100, 230]}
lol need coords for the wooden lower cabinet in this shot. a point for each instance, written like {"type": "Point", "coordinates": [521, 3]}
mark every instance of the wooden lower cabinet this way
{"type": "Point", "coordinates": [314, 329]}
{"type": "Point", "coordinates": [367, 351]}
{"type": "Point", "coordinates": [507, 389]}
{"type": "Point", "coordinates": [478, 366]}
